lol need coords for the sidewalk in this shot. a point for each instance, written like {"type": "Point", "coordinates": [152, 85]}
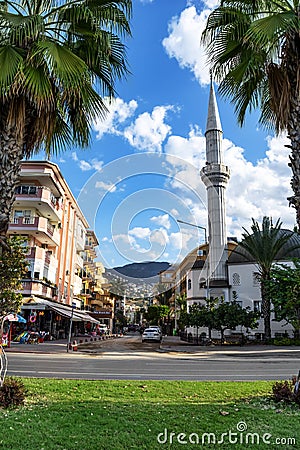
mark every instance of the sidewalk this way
{"type": "Point", "coordinates": [59, 346]}
{"type": "Point", "coordinates": [174, 344]}
{"type": "Point", "coordinates": [50, 347]}
{"type": "Point", "coordinates": [169, 344]}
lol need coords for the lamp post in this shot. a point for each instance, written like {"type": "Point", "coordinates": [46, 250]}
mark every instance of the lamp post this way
{"type": "Point", "coordinates": [70, 329]}
{"type": "Point", "coordinates": [207, 260]}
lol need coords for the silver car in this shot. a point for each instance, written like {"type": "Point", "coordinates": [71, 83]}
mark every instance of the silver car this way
{"type": "Point", "coordinates": [151, 334]}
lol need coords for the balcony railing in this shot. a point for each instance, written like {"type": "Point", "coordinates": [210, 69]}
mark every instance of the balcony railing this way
{"type": "Point", "coordinates": [41, 194]}
{"type": "Point", "coordinates": [35, 223]}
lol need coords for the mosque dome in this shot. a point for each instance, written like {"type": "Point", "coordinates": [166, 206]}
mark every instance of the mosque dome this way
{"type": "Point", "coordinates": [291, 249]}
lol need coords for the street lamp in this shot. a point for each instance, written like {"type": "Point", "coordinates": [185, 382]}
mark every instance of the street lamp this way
{"type": "Point", "coordinates": [196, 226]}
{"type": "Point", "coordinates": [70, 329]}
{"type": "Point", "coordinates": [207, 260]}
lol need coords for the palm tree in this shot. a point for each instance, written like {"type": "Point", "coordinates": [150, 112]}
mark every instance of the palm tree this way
{"type": "Point", "coordinates": [58, 60]}
{"type": "Point", "coordinates": [254, 52]}
{"type": "Point", "coordinates": [264, 246]}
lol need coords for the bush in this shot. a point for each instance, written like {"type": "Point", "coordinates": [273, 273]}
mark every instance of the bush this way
{"type": "Point", "coordinates": [286, 341]}
{"type": "Point", "coordinates": [283, 391]}
{"type": "Point", "coordinates": [12, 393]}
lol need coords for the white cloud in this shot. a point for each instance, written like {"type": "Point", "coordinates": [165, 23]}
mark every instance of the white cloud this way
{"type": "Point", "coordinates": [160, 237]}
{"type": "Point", "coordinates": [162, 220]}
{"type": "Point", "coordinates": [140, 232]}
{"type": "Point", "coordinates": [183, 42]}
{"type": "Point", "coordinates": [84, 165]}
{"type": "Point", "coordinates": [174, 212]}
{"type": "Point", "coordinates": [106, 186]}
{"type": "Point", "coordinates": [119, 112]}
{"type": "Point", "coordinates": [74, 156]}
{"type": "Point", "coordinates": [255, 189]}
{"type": "Point", "coordinates": [149, 131]}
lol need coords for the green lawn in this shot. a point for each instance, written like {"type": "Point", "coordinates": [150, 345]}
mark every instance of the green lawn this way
{"type": "Point", "coordinates": [150, 415]}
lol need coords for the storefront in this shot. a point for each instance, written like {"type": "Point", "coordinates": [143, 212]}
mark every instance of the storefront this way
{"type": "Point", "coordinates": [53, 319]}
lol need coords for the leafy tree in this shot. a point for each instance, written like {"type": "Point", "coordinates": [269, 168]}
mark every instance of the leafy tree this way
{"type": "Point", "coordinates": [181, 306]}
{"type": "Point", "coordinates": [284, 290]}
{"type": "Point", "coordinates": [13, 265]}
{"type": "Point", "coordinates": [221, 316]}
{"type": "Point", "coordinates": [263, 246]}
{"type": "Point", "coordinates": [254, 51]}
{"type": "Point", "coordinates": [155, 313]}
{"type": "Point", "coordinates": [58, 61]}
{"type": "Point", "coordinates": [229, 315]}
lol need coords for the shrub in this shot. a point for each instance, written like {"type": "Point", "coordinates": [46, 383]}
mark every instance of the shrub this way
{"type": "Point", "coordinates": [12, 393]}
{"type": "Point", "coordinates": [283, 391]}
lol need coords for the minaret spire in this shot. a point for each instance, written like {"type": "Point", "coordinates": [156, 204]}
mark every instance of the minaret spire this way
{"type": "Point", "coordinates": [215, 176]}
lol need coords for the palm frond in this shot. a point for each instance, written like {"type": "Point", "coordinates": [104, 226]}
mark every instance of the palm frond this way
{"type": "Point", "coordinates": [10, 61]}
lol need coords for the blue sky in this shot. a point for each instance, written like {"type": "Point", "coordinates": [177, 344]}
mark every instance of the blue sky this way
{"type": "Point", "coordinates": [141, 173]}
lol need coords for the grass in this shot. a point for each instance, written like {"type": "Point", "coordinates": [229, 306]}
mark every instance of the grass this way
{"type": "Point", "coordinates": [121, 415]}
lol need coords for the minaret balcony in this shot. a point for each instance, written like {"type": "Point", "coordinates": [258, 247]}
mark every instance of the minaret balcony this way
{"type": "Point", "coordinates": [215, 174]}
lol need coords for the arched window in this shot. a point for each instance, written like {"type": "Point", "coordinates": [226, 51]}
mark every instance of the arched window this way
{"type": "Point", "coordinates": [202, 283]}
{"type": "Point", "coordinates": [236, 279]}
{"type": "Point", "coordinates": [189, 284]}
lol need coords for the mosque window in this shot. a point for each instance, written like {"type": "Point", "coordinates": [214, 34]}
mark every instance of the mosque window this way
{"type": "Point", "coordinates": [189, 284]}
{"type": "Point", "coordinates": [256, 305]}
{"type": "Point", "coordinates": [256, 278]}
{"type": "Point", "coordinates": [236, 279]}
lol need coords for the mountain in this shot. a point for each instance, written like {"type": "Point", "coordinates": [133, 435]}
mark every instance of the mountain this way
{"type": "Point", "coordinates": [141, 270]}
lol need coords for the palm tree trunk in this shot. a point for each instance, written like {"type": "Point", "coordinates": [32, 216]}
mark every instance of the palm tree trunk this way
{"type": "Point", "coordinates": [266, 311]}
{"type": "Point", "coordinates": [11, 153]}
{"type": "Point", "coordinates": [293, 128]}
{"type": "Point", "coordinates": [294, 136]}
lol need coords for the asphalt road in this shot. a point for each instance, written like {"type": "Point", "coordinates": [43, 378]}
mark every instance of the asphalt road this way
{"type": "Point", "coordinates": [129, 359]}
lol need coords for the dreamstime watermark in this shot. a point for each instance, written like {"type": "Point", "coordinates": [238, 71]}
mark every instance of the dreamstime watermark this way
{"type": "Point", "coordinates": [240, 436]}
{"type": "Point", "coordinates": [181, 195]}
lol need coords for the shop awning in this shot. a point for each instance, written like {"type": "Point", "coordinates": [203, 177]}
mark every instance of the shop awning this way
{"type": "Point", "coordinates": [62, 310]}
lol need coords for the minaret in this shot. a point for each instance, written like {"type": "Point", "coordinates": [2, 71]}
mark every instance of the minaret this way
{"type": "Point", "coordinates": [215, 176]}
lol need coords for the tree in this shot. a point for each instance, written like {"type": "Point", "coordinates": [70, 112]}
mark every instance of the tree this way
{"type": "Point", "coordinates": [284, 291]}
{"type": "Point", "coordinates": [155, 313]}
{"type": "Point", "coordinates": [263, 246]}
{"type": "Point", "coordinates": [58, 61]}
{"type": "Point", "coordinates": [13, 265]}
{"type": "Point", "coordinates": [254, 52]}
{"type": "Point", "coordinates": [229, 315]}
{"type": "Point", "coordinates": [221, 316]}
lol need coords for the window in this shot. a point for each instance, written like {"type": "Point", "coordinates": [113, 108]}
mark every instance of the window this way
{"type": "Point", "coordinates": [189, 284]}
{"type": "Point", "coordinates": [202, 283]}
{"type": "Point", "coordinates": [236, 279]}
{"type": "Point", "coordinates": [256, 278]}
{"type": "Point", "coordinates": [26, 190]}
{"type": "Point", "coordinates": [256, 305]}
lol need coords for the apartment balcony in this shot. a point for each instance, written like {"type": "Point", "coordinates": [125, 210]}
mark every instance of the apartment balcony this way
{"type": "Point", "coordinates": [78, 261]}
{"type": "Point", "coordinates": [41, 198]}
{"type": "Point", "coordinates": [40, 227]}
{"type": "Point", "coordinates": [39, 288]}
{"type": "Point", "coordinates": [96, 302]}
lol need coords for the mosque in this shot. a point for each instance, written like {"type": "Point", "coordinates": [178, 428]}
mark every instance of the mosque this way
{"type": "Point", "coordinates": [223, 272]}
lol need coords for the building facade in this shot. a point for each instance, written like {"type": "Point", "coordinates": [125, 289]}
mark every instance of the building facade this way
{"type": "Point", "coordinates": [63, 279]}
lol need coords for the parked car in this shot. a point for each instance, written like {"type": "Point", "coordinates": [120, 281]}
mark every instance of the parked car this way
{"type": "Point", "coordinates": [103, 329]}
{"type": "Point", "coordinates": [156, 327]}
{"type": "Point", "coordinates": [151, 334]}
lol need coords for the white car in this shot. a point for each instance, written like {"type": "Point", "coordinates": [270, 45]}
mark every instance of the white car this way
{"type": "Point", "coordinates": [151, 334]}
{"type": "Point", "coordinates": [155, 327]}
